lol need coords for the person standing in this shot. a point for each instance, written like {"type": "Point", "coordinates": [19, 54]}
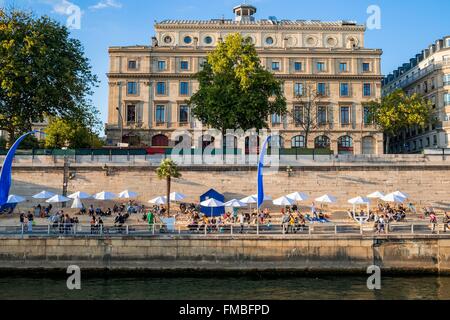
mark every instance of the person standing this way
{"type": "Point", "coordinates": [241, 219]}
{"type": "Point", "coordinates": [381, 224]}
{"type": "Point", "coordinates": [150, 220]}
{"type": "Point", "coordinates": [446, 221]}
{"type": "Point", "coordinates": [433, 221]}
{"type": "Point", "coordinates": [30, 218]}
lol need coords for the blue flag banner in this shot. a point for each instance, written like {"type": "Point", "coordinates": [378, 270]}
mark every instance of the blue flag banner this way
{"type": "Point", "coordinates": [5, 176]}
{"type": "Point", "coordinates": [261, 194]}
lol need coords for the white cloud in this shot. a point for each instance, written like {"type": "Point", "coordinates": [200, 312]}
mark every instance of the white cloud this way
{"type": "Point", "coordinates": [62, 7]}
{"type": "Point", "coordinates": [106, 4]}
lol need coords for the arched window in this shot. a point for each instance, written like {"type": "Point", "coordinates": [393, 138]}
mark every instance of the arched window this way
{"type": "Point", "coordinates": [368, 145]}
{"type": "Point", "coordinates": [298, 142]}
{"type": "Point", "coordinates": [230, 142]}
{"type": "Point", "coordinates": [276, 142]}
{"type": "Point", "coordinates": [183, 141]}
{"type": "Point", "coordinates": [252, 145]}
{"type": "Point", "coordinates": [206, 141]}
{"type": "Point", "coordinates": [345, 145]}
{"type": "Point", "coordinates": [160, 140]}
{"type": "Point", "coordinates": [322, 142]}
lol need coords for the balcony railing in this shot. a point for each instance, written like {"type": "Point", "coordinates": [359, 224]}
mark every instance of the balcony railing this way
{"type": "Point", "coordinates": [307, 230]}
{"type": "Point", "coordinates": [420, 74]}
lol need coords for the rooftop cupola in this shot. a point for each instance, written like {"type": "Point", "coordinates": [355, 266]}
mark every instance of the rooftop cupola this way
{"type": "Point", "coordinates": [244, 13]}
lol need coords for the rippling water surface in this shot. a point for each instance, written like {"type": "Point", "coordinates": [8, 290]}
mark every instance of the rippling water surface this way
{"type": "Point", "coordinates": [241, 288]}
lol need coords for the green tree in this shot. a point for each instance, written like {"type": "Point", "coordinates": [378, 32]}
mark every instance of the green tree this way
{"type": "Point", "coordinates": [43, 73]}
{"type": "Point", "coordinates": [166, 171]}
{"type": "Point", "coordinates": [63, 133]}
{"type": "Point", "coordinates": [235, 91]}
{"type": "Point", "coordinates": [398, 111]}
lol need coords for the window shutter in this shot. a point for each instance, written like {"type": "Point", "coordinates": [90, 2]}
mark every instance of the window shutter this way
{"type": "Point", "coordinates": [330, 115]}
{"type": "Point", "coordinates": [353, 113]}
{"type": "Point", "coordinates": [169, 114]}
{"type": "Point", "coordinates": [139, 112]}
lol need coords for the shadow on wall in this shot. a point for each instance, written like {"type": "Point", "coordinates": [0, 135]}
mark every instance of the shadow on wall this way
{"type": "Point", "coordinates": [442, 205]}
{"type": "Point", "coordinates": [28, 189]}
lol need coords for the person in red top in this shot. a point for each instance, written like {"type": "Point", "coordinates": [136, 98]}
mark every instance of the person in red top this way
{"type": "Point", "coordinates": [433, 221]}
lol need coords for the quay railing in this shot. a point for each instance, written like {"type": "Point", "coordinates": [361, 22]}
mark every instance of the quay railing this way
{"type": "Point", "coordinates": [155, 230]}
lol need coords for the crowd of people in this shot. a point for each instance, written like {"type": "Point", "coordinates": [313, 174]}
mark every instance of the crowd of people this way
{"type": "Point", "coordinates": [291, 218]}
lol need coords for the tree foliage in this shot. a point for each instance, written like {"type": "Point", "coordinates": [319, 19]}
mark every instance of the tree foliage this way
{"type": "Point", "coordinates": [63, 133]}
{"type": "Point", "coordinates": [236, 92]}
{"type": "Point", "coordinates": [166, 171]}
{"type": "Point", "coordinates": [43, 73]}
{"type": "Point", "coordinates": [398, 111]}
{"type": "Point", "coordinates": [307, 119]}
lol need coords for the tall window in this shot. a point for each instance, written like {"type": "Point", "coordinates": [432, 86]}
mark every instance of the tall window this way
{"type": "Point", "coordinates": [161, 65]}
{"type": "Point", "coordinates": [298, 115]}
{"type": "Point", "coordinates": [276, 119]}
{"type": "Point", "coordinates": [321, 115]}
{"type": "Point", "coordinates": [275, 66]}
{"type": "Point", "coordinates": [446, 80]}
{"type": "Point", "coordinates": [132, 64]}
{"type": "Point", "coordinates": [132, 88]}
{"type": "Point", "coordinates": [345, 115]}
{"type": "Point", "coordinates": [344, 90]}
{"type": "Point", "coordinates": [321, 89]}
{"type": "Point", "coordinates": [366, 67]}
{"type": "Point", "coordinates": [184, 114]}
{"type": "Point", "coordinates": [184, 88]}
{"type": "Point", "coordinates": [320, 66]}
{"type": "Point", "coordinates": [160, 116]}
{"type": "Point", "coordinates": [322, 142]}
{"type": "Point", "coordinates": [367, 90]}
{"type": "Point", "coordinates": [184, 65]}
{"type": "Point", "coordinates": [345, 145]}
{"type": "Point", "coordinates": [131, 113]}
{"type": "Point", "coordinates": [298, 66]}
{"type": "Point", "coordinates": [298, 89]}
{"type": "Point", "coordinates": [366, 119]}
{"type": "Point", "coordinates": [343, 67]}
{"type": "Point", "coordinates": [298, 142]}
{"type": "Point", "coordinates": [161, 88]}
{"type": "Point", "coordinates": [447, 99]}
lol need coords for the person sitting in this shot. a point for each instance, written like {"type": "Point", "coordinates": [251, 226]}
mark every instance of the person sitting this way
{"type": "Point", "coordinates": [193, 226]}
{"type": "Point", "coordinates": [321, 216]}
{"type": "Point", "coordinates": [98, 212]}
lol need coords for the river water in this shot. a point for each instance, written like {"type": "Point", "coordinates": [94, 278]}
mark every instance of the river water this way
{"type": "Point", "coordinates": [241, 288]}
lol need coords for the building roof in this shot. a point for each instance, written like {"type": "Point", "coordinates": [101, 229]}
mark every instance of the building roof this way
{"type": "Point", "coordinates": [262, 22]}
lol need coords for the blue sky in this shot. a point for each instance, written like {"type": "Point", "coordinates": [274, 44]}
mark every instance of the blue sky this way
{"type": "Point", "coordinates": [407, 26]}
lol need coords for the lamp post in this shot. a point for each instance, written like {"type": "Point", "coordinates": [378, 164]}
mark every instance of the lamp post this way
{"type": "Point", "coordinates": [121, 124]}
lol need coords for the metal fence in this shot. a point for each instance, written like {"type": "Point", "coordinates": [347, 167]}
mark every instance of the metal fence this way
{"type": "Point", "coordinates": [155, 230]}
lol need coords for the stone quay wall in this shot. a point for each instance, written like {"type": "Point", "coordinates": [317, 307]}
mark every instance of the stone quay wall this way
{"type": "Point", "coordinates": [229, 254]}
{"type": "Point", "coordinates": [425, 178]}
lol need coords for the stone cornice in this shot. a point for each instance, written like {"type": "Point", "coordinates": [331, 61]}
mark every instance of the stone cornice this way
{"type": "Point", "coordinates": [149, 76]}
{"type": "Point", "coordinates": [261, 51]}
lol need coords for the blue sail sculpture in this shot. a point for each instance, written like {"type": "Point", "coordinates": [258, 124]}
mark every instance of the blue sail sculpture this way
{"type": "Point", "coordinates": [6, 176]}
{"type": "Point", "coordinates": [261, 194]}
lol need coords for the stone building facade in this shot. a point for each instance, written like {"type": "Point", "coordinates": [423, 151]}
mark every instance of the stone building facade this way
{"type": "Point", "coordinates": [149, 85]}
{"type": "Point", "coordinates": [428, 73]}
